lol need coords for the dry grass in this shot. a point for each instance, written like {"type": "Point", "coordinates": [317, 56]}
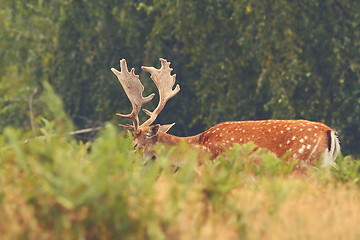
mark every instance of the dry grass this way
{"type": "Point", "coordinates": [56, 188]}
{"type": "Point", "coordinates": [276, 208]}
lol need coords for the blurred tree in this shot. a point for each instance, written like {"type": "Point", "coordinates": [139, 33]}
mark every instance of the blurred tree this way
{"type": "Point", "coordinates": [93, 37]}
{"type": "Point", "coordinates": [27, 40]}
{"type": "Point", "coordinates": [235, 60]}
{"type": "Point", "coordinates": [279, 59]}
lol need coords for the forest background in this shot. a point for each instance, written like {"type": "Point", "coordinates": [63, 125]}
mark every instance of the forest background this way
{"type": "Point", "coordinates": [234, 60]}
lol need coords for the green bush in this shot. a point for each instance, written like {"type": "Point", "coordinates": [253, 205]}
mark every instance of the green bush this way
{"type": "Point", "coordinates": [55, 187]}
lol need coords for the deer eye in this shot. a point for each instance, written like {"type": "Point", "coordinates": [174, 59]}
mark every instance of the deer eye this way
{"type": "Point", "coordinates": [137, 133]}
{"type": "Point", "coordinates": [135, 146]}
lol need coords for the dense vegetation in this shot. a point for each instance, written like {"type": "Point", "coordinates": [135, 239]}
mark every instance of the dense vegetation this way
{"type": "Point", "coordinates": [236, 60]}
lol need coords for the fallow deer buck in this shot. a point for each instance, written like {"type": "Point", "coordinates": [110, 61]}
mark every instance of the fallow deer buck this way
{"type": "Point", "coordinates": [305, 141]}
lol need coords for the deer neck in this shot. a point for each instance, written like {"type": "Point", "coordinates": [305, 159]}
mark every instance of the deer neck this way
{"type": "Point", "coordinates": [173, 140]}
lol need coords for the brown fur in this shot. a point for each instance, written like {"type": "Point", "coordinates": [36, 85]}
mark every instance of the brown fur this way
{"type": "Point", "coordinates": [303, 140]}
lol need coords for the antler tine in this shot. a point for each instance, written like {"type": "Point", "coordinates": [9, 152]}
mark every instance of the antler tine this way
{"type": "Point", "coordinates": [133, 89]}
{"type": "Point", "coordinates": [164, 82]}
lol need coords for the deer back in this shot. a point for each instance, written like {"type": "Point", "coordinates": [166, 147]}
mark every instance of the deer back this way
{"type": "Point", "coordinates": [304, 140]}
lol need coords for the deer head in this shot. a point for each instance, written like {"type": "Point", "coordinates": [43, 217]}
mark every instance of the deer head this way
{"type": "Point", "coordinates": [145, 135]}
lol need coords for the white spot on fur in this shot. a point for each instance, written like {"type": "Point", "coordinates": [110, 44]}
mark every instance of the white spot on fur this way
{"type": "Point", "coordinates": [314, 150]}
{"type": "Point", "coordinates": [293, 138]}
{"type": "Point", "coordinates": [308, 146]}
{"type": "Point", "coordinates": [301, 140]}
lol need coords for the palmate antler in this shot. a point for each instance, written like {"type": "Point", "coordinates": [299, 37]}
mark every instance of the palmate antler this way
{"type": "Point", "coordinates": [164, 82]}
{"type": "Point", "coordinates": [133, 89]}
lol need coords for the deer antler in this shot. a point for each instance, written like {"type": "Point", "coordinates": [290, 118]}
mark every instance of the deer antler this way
{"type": "Point", "coordinates": [164, 82]}
{"type": "Point", "coordinates": [133, 89]}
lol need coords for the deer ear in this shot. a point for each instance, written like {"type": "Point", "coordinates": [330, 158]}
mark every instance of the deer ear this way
{"type": "Point", "coordinates": [165, 128]}
{"type": "Point", "coordinates": [154, 130]}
